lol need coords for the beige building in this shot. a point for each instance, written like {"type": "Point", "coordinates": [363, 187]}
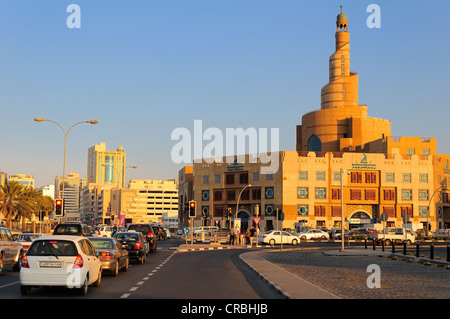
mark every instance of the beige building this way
{"type": "Point", "coordinates": [106, 166]}
{"type": "Point", "coordinates": [399, 176]}
{"type": "Point", "coordinates": [71, 195]}
{"type": "Point", "coordinates": [146, 201]}
{"type": "Point", "coordinates": [24, 179]}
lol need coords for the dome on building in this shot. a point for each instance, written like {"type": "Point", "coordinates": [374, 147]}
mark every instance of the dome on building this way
{"type": "Point", "coordinates": [120, 149]}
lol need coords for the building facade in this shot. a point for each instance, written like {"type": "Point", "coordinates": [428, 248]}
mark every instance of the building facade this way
{"type": "Point", "coordinates": [106, 166]}
{"type": "Point", "coordinates": [346, 167]}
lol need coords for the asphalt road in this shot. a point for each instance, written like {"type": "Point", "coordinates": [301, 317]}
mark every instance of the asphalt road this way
{"type": "Point", "coordinates": [166, 274]}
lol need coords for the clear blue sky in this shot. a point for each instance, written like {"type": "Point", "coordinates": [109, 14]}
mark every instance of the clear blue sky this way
{"type": "Point", "coordinates": [145, 67]}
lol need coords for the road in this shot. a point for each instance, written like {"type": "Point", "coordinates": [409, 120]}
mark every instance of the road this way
{"type": "Point", "coordinates": [167, 274]}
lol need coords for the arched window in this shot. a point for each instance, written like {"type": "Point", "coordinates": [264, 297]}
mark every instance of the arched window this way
{"type": "Point", "coordinates": [314, 144]}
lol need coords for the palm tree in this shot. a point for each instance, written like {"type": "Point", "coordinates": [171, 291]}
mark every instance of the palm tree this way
{"type": "Point", "coordinates": [11, 200]}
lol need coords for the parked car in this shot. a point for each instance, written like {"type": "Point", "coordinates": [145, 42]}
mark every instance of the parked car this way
{"type": "Point", "coordinates": [313, 234]}
{"type": "Point", "coordinates": [134, 243]}
{"type": "Point", "coordinates": [74, 229]}
{"type": "Point", "coordinates": [111, 253]}
{"type": "Point", "coordinates": [61, 260]}
{"type": "Point", "coordinates": [394, 234]}
{"type": "Point", "coordinates": [148, 232]}
{"type": "Point", "coordinates": [274, 237]}
{"type": "Point", "coordinates": [26, 239]}
{"type": "Point", "coordinates": [11, 252]}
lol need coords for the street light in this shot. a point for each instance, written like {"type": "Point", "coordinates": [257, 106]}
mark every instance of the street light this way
{"type": "Point", "coordinates": [239, 197]}
{"type": "Point", "coordinates": [443, 187]}
{"type": "Point", "coordinates": [37, 119]}
{"type": "Point", "coordinates": [342, 209]}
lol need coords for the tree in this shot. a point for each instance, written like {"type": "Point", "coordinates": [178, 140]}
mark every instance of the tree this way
{"type": "Point", "coordinates": [12, 201]}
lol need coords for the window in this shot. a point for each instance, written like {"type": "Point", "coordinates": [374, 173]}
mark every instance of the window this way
{"type": "Point", "coordinates": [229, 179]}
{"type": "Point", "coordinates": [390, 211]}
{"type": "Point", "coordinates": [255, 176]}
{"type": "Point", "coordinates": [370, 194]}
{"type": "Point", "coordinates": [217, 195]}
{"type": "Point", "coordinates": [256, 193]}
{"type": "Point", "coordinates": [319, 211]}
{"type": "Point", "coordinates": [335, 211]}
{"type": "Point", "coordinates": [303, 175]}
{"type": "Point", "coordinates": [243, 178]}
{"type": "Point", "coordinates": [320, 176]}
{"type": "Point", "coordinates": [335, 193]}
{"type": "Point", "coordinates": [423, 211]}
{"type": "Point", "coordinates": [302, 192]}
{"type": "Point", "coordinates": [356, 177]}
{"type": "Point", "coordinates": [355, 194]}
{"type": "Point", "coordinates": [406, 194]}
{"type": "Point", "coordinates": [321, 193]}
{"type": "Point", "coordinates": [302, 210]}
{"type": "Point", "coordinates": [406, 177]}
{"type": "Point", "coordinates": [423, 178]}
{"type": "Point", "coordinates": [389, 194]}
{"type": "Point", "coordinates": [205, 180]}
{"type": "Point", "coordinates": [407, 210]}
{"type": "Point", "coordinates": [371, 178]}
{"type": "Point", "coordinates": [423, 194]}
{"type": "Point", "coordinates": [269, 192]}
{"type": "Point", "coordinates": [314, 144]}
{"type": "Point", "coordinates": [231, 195]}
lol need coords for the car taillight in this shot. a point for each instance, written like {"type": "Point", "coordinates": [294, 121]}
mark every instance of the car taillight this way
{"type": "Point", "coordinates": [25, 262]}
{"type": "Point", "coordinates": [106, 255]}
{"type": "Point", "coordinates": [150, 235]}
{"type": "Point", "coordinates": [78, 262]}
{"type": "Point", "coordinates": [138, 245]}
{"type": "Point", "coordinates": [99, 233]}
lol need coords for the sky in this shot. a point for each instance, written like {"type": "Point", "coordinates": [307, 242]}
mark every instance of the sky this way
{"type": "Point", "coordinates": [144, 68]}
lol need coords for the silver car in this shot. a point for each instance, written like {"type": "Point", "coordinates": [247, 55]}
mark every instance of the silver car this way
{"type": "Point", "coordinates": [11, 252]}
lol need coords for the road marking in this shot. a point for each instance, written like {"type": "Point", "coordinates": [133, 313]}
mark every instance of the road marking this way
{"type": "Point", "coordinates": [13, 283]}
{"type": "Point", "coordinates": [140, 283]}
{"type": "Point", "coordinates": [145, 278]}
{"type": "Point", "coordinates": [134, 288]}
{"type": "Point", "coordinates": [125, 296]}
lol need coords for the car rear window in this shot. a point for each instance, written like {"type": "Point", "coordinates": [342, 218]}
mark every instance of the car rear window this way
{"type": "Point", "coordinates": [145, 229]}
{"type": "Point", "coordinates": [67, 229]}
{"type": "Point", "coordinates": [127, 236]}
{"type": "Point", "coordinates": [102, 243]}
{"type": "Point", "coordinates": [52, 247]}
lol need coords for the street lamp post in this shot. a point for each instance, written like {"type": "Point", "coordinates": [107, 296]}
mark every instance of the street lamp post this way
{"type": "Point", "coordinates": [37, 119]}
{"type": "Point", "coordinates": [239, 197]}
{"type": "Point", "coordinates": [342, 209]}
{"type": "Point", "coordinates": [443, 187]}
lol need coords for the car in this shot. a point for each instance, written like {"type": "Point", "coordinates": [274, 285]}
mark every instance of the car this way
{"type": "Point", "coordinates": [111, 253]}
{"type": "Point", "coordinates": [26, 239]}
{"type": "Point", "coordinates": [313, 234]}
{"type": "Point", "coordinates": [273, 237]}
{"type": "Point", "coordinates": [60, 260]}
{"type": "Point", "coordinates": [103, 231]}
{"type": "Point", "coordinates": [167, 233]}
{"type": "Point", "coordinates": [148, 232]}
{"type": "Point", "coordinates": [11, 252]}
{"type": "Point", "coordinates": [159, 231]}
{"type": "Point", "coordinates": [134, 243]}
{"type": "Point", "coordinates": [74, 229]}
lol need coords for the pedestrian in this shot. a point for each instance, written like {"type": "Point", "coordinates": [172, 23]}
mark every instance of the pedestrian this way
{"type": "Point", "coordinates": [231, 236]}
{"type": "Point", "coordinates": [252, 235]}
{"type": "Point", "coordinates": [236, 235]}
{"type": "Point", "coordinates": [247, 236]}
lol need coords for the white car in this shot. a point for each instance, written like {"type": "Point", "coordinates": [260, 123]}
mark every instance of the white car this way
{"type": "Point", "coordinates": [274, 237]}
{"type": "Point", "coordinates": [62, 260]}
{"type": "Point", "coordinates": [103, 231]}
{"type": "Point", "coordinates": [313, 234]}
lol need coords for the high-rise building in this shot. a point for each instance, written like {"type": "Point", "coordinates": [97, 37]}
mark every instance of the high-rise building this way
{"type": "Point", "coordinates": [71, 195]}
{"type": "Point", "coordinates": [24, 179]}
{"type": "Point", "coordinates": [105, 166]}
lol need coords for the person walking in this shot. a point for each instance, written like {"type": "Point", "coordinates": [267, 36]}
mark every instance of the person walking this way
{"type": "Point", "coordinates": [252, 235]}
{"type": "Point", "coordinates": [236, 235]}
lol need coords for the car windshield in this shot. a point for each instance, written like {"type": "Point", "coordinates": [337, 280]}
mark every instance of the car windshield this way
{"type": "Point", "coordinates": [102, 243]}
{"type": "Point", "coordinates": [145, 229]}
{"type": "Point", "coordinates": [52, 247]}
{"type": "Point", "coordinates": [27, 237]}
{"type": "Point", "coordinates": [66, 229]}
{"type": "Point", "coordinates": [127, 236]}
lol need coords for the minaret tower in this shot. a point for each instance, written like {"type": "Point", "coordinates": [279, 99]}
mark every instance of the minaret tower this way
{"type": "Point", "coordinates": [342, 89]}
{"type": "Point", "coordinates": [341, 124]}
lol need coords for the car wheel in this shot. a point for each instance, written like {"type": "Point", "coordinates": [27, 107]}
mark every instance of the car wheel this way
{"type": "Point", "coordinates": [294, 242]}
{"type": "Point", "coordinates": [387, 242]}
{"type": "Point", "coordinates": [25, 290]}
{"type": "Point", "coordinates": [84, 288]}
{"type": "Point", "coordinates": [303, 238]}
{"type": "Point", "coordinates": [2, 262]}
{"type": "Point", "coordinates": [115, 271]}
{"type": "Point", "coordinates": [127, 262]}
{"type": "Point", "coordinates": [408, 242]}
{"type": "Point", "coordinates": [323, 237]}
{"type": "Point", "coordinates": [18, 265]}
{"type": "Point", "coordinates": [272, 242]}
{"type": "Point", "coordinates": [99, 279]}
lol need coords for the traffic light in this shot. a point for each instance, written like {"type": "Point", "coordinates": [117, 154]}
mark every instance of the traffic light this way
{"type": "Point", "coordinates": [230, 212]}
{"type": "Point", "coordinates": [59, 208]}
{"type": "Point", "coordinates": [192, 208]}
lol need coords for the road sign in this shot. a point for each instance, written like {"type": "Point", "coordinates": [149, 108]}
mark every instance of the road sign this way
{"type": "Point", "coordinates": [256, 220]}
{"type": "Point", "coordinates": [384, 217]}
{"type": "Point", "coordinates": [186, 231]}
{"type": "Point", "coordinates": [281, 216]}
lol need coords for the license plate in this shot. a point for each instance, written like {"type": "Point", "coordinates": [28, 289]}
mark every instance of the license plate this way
{"type": "Point", "coordinates": [124, 246]}
{"type": "Point", "coordinates": [50, 264]}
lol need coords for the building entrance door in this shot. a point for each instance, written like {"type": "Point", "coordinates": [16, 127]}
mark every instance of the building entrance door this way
{"type": "Point", "coordinates": [359, 219]}
{"type": "Point", "coordinates": [244, 216]}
